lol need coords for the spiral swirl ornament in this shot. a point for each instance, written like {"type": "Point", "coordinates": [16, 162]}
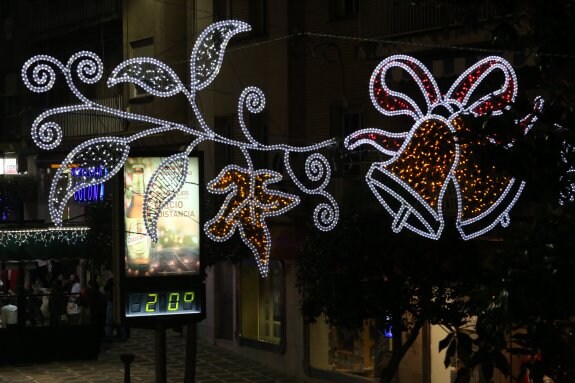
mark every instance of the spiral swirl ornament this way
{"type": "Point", "coordinates": [38, 73]}
{"type": "Point", "coordinates": [317, 168]}
{"type": "Point", "coordinates": [326, 215]}
{"type": "Point", "coordinates": [47, 135]}
{"type": "Point", "coordinates": [254, 99]}
{"type": "Point", "coordinates": [89, 66]}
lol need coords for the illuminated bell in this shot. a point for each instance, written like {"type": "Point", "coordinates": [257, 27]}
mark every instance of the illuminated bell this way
{"type": "Point", "coordinates": [486, 194]}
{"type": "Point", "coordinates": [412, 184]}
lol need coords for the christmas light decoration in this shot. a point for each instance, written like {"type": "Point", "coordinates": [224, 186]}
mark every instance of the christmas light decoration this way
{"type": "Point", "coordinates": [435, 153]}
{"type": "Point", "coordinates": [247, 204]}
{"type": "Point", "coordinates": [39, 75]}
{"type": "Point", "coordinates": [65, 235]}
{"type": "Point", "coordinates": [433, 156]}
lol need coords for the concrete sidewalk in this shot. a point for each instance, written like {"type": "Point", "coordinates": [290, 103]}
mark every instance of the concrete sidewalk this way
{"type": "Point", "coordinates": [214, 364]}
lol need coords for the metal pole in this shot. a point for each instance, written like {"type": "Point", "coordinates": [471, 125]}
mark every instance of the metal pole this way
{"type": "Point", "coordinates": [127, 359]}
{"type": "Point", "coordinates": [191, 354]}
{"type": "Point", "coordinates": [161, 376]}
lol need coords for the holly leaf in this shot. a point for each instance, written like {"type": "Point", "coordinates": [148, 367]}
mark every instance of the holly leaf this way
{"type": "Point", "coordinates": [100, 158]}
{"type": "Point", "coordinates": [208, 52]}
{"type": "Point", "coordinates": [164, 185]}
{"type": "Point", "coordinates": [248, 203]}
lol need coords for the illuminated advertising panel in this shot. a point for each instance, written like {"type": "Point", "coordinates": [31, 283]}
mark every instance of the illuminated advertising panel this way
{"type": "Point", "coordinates": [178, 248]}
{"type": "Point", "coordinates": [163, 279]}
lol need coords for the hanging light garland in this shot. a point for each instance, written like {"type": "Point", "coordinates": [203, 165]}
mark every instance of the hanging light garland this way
{"type": "Point", "coordinates": [44, 237]}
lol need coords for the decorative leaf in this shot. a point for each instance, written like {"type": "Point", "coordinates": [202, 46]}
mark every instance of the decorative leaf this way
{"type": "Point", "coordinates": [464, 346]}
{"type": "Point", "coordinates": [248, 203]}
{"type": "Point", "coordinates": [449, 354]}
{"type": "Point", "coordinates": [208, 52]}
{"type": "Point", "coordinates": [105, 153]}
{"type": "Point", "coordinates": [445, 341]}
{"type": "Point", "coordinates": [150, 74]}
{"type": "Point", "coordinates": [165, 183]}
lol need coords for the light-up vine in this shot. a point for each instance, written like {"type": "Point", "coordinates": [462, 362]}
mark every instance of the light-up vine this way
{"type": "Point", "coordinates": [436, 152]}
{"type": "Point", "coordinates": [411, 185]}
{"type": "Point", "coordinates": [249, 200]}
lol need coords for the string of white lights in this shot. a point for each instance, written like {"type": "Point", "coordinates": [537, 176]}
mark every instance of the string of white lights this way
{"type": "Point", "coordinates": [67, 235]}
{"type": "Point", "coordinates": [156, 78]}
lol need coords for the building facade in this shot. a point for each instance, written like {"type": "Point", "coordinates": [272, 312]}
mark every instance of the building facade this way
{"type": "Point", "coordinates": [313, 60]}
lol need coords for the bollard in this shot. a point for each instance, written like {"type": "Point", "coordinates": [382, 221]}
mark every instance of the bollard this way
{"type": "Point", "coordinates": [127, 359]}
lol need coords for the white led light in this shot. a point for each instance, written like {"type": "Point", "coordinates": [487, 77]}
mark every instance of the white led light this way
{"type": "Point", "coordinates": [150, 74]}
{"type": "Point", "coordinates": [411, 192]}
{"type": "Point", "coordinates": [208, 51]}
{"type": "Point", "coordinates": [67, 235]}
{"type": "Point", "coordinates": [163, 186]}
{"type": "Point", "coordinates": [39, 75]}
{"type": "Point", "coordinates": [106, 152]}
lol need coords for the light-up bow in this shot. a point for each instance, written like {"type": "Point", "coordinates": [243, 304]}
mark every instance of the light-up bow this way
{"type": "Point", "coordinates": [436, 151]}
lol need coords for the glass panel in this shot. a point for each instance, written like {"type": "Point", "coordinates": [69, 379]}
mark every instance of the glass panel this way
{"type": "Point", "coordinates": [356, 352]}
{"type": "Point", "coordinates": [141, 48]}
{"type": "Point", "coordinates": [261, 303]}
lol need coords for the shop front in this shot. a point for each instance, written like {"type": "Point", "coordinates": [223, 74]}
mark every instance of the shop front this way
{"type": "Point", "coordinates": [51, 305]}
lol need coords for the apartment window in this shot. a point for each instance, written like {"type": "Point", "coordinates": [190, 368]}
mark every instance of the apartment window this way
{"type": "Point", "coordinates": [257, 17]}
{"type": "Point", "coordinates": [342, 9]}
{"type": "Point", "coordinates": [343, 121]}
{"type": "Point", "coordinates": [262, 305]}
{"type": "Point", "coordinates": [222, 10]}
{"type": "Point", "coordinates": [224, 125]}
{"type": "Point", "coordinates": [140, 48]}
{"type": "Point", "coordinates": [254, 12]}
{"type": "Point", "coordinates": [258, 130]}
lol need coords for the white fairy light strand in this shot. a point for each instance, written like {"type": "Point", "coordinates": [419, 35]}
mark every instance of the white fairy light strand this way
{"type": "Point", "coordinates": [67, 235]}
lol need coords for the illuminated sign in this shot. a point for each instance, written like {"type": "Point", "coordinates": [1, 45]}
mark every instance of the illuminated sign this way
{"type": "Point", "coordinates": [161, 303]}
{"type": "Point", "coordinates": [90, 193]}
{"type": "Point", "coordinates": [8, 165]}
{"type": "Point", "coordinates": [162, 280]}
{"type": "Point", "coordinates": [177, 250]}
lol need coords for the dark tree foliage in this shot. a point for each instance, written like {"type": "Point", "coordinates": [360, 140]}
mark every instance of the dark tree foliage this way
{"type": "Point", "coordinates": [362, 270]}
{"type": "Point", "coordinates": [517, 282]}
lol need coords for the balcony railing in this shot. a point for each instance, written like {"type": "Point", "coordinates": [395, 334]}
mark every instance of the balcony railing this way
{"type": "Point", "coordinates": [381, 19]}
{"type": "Point", "coordinates": [91, 124]}
{"type": "Point", "coordinates": [85, 124]}
{"type": "Point", "coordinates": [54, 14]}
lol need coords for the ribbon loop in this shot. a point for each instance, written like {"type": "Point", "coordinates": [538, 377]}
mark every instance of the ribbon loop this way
{"type": "Point", "coordinates": [466, 85]}
{"type": "Point", "coordinates": [393, 103]}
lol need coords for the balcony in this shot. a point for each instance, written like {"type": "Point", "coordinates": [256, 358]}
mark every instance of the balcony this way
{"type": "Point", "coordinates": [84, 124]}
{"type": "Point", "coordinates": [71, 14]}
{"type": "Point", "coordinates": [380, 19]}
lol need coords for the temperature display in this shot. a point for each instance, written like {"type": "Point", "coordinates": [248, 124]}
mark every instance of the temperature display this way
{"type": "Point", "coordinates": [156, 303]}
